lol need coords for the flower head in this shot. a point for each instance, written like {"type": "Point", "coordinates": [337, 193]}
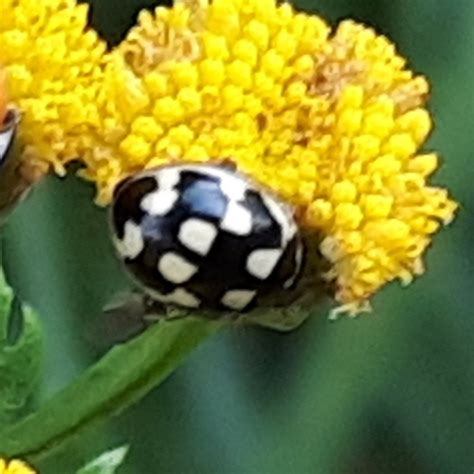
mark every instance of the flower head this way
{"type": "Point", "coordinates": [202, 82]}
{"type": "Point", "coordinates": [14, 467]}
{"type": "Point", "coordinates": [373, 204]}
{"type": "Point", "coordinates": [52, 66]}
{"type": "Point", "coordinates": [331, 120]}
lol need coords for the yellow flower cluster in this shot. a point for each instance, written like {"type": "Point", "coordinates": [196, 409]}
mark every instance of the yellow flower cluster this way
{"type": "Point", "coordinates": [14, 467]}
{"type": "Point", "coordinates": [332, 121]}
{"type": "Point", "coordinates": [53, 67]}
{"type": "Point", "coordinates": [373, 205]}
{"type": "Point", "coordinates": [199, 82]}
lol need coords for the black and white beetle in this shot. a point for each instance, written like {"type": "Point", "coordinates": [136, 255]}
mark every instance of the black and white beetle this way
{"type": "Point", "coordinates": [205, 236]}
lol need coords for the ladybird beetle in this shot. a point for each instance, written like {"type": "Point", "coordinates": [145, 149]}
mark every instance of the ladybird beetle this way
{"type": "Point", "coordinates": [205, 236]}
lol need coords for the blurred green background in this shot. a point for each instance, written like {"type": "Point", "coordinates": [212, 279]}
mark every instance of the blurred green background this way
{"type": "Point", "coordinates": [392, 392]}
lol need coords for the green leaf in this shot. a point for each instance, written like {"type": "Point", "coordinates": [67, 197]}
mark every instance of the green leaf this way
{"type": "Point", "coordinates": [122, 377]}
{"type": "Point", "coordinates": [107, 463]}
{"type": "Point", "coordinates": [20, 354]}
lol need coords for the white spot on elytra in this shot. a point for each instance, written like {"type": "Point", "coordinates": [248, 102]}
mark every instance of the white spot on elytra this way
{"type": "Point", "coordinates": [197, 235]}
{"type": "Point", "coordinates": [159, 203]}
{"type": "Point", "coordinates": [167, 178]}
{"type": "Point", "coordinates": [238, 299]}
{"type": "Point", "coordinates": [233, 187]}
{"type": "Point", "coordinates": [237, 219]}
{"type": "Point", "coordinates": [175, 268]}
{"type": "Point", "coordinates": [179, 296]}
{"type": "Point", "coordinates": [261, 263]}
{"type": "Point", "coordinates": [283, 218]}
{"type": "Point", "coordinates": [132, 243]}
{"type": "Point", "coordinates": [5, 141]}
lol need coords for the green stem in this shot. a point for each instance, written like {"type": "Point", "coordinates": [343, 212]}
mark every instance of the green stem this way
{"type": "Point", "coordinates": [119, 379]}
